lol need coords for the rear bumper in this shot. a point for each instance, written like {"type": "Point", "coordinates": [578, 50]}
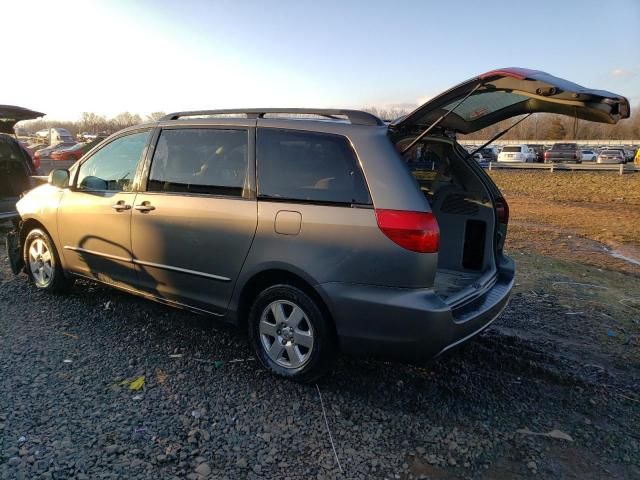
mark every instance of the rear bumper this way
{"type": "Point", "coordinates": [562, 160]}
{"type": "Point", "coordinates": [411, 325]}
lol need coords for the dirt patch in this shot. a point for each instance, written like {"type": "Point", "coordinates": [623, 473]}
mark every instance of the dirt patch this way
{"type": "Point", "coordinates": [552, 241]}
{"type": "Point", "coordinates": [610, 224]}
{"type": "Point", "coordinates": [589, 217]}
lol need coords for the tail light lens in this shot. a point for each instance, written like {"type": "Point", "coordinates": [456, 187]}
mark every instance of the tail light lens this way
{"type": "Point", "coordinates": [502, 211]}
{"type": "Point", "coordinates": [415, 231]}
{"type": "Point", "coordinates": [546, 155]}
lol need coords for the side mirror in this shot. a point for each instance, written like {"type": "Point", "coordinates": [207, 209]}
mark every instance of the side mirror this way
{"type": "Point", "coordinates": [59, 178]}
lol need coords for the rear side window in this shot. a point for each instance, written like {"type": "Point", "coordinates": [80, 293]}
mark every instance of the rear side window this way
{"type": "Point", "coordinates": [200, 160]}
{"type": "Point", "coordinates": [305, 166]}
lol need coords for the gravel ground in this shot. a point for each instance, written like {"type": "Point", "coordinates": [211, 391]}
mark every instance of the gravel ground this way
{"type": "Point", "coordinates": [207, 410]}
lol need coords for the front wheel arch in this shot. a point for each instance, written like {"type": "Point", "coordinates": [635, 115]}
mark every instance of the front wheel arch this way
{"type": "Point", "coordinates": [31, 223]}
{"type": "Point", "coordinates": [59, 281]}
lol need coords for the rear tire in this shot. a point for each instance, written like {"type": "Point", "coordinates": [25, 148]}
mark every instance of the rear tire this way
{"type": "Point", "coordinates": [42, 263]}
{"type": "Point", "coordinates": [291, 335]}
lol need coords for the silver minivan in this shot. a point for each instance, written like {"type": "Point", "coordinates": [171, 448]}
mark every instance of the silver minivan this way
{"type": "Point", "coordinates": [319, 231]}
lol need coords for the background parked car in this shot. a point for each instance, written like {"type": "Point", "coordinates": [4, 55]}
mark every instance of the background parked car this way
{"type": "Point", "coordinates": [588, 155]}
{"type": "Point", "coordinates": [46, 152]}
{"type": "Point", "coordinates": [621, 151]}
{"type": "Point", "coordinates": [75, 152]}
{"type": "Point", "coordinates": [87, 137]}
{"type": "Point", "coordinates": [516, 153]}
{"type": "Point", "coordinates": [30, 149]}
{"type": "Point", "coordinates": [611, 156]}
{"type": "Point", "coordinates": [538, 150]}
{"type": "Point", "coordinates": [628, 155]}
{"type": "Point", "coordinates": [490, 154]}
{"type": "Point", "coordinates": [563, 152]}
{"type": "Point", "coordinates": [71, 153]}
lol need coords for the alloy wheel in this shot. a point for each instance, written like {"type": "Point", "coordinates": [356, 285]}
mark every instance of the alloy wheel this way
{"type": "Point", "coordinates": [286, 334]}
{"type": "Point", "coordinates": [40, 262]}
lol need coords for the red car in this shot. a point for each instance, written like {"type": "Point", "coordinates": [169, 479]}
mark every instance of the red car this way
{"type": "Point", "coordinates": [30, 150]}
{"type": "Point", "coordinates": [73, 153]}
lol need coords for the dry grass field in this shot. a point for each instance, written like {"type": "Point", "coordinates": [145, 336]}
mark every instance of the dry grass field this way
{"type": "Point", "coordinates": [582, 216]}
{"type": "Point", "coordinates": [575, 237]}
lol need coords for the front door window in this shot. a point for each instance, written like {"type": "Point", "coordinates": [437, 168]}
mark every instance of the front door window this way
{"type": "Point", "coordinates": [113, 167]}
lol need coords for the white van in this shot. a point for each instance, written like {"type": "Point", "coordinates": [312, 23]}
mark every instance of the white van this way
{"type": "Point", "coordinates": [516, 153]}
{"type": "Point", "coordinates": [56, 135]}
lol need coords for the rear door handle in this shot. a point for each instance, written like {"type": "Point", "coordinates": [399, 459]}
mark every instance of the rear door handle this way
{"type": "Point", "coordinates": [144, 207]}
{"type": "Point", "coordinates": [120, 206]}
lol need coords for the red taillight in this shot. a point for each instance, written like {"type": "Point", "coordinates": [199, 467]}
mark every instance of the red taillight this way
{"type": "Point", "coordinates": [547, 154]}
{"type": "Point", "coordinates": [502, 211]}
{"type": "Point", "coordinates": [415, 231]}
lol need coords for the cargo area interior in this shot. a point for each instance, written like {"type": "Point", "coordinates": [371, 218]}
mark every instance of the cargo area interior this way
{"type": "Point", "coordinates": [463, 207]}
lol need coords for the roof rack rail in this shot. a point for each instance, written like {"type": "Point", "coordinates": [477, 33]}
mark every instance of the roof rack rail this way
{"type": "Point", "coordinates": [356, 117]}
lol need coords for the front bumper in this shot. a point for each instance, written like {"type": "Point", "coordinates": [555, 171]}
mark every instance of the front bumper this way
{"type": "Point", "coordinates": [411, 325]}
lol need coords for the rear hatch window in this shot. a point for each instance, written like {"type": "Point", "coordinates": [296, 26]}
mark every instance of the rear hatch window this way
{"type": "Point", "coordinates": [501, 94]}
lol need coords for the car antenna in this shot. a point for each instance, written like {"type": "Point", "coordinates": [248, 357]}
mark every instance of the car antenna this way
{"type": "Point", "coordinates": [442, 117]}
{"type": "Point", "coordinates": [493, 139]}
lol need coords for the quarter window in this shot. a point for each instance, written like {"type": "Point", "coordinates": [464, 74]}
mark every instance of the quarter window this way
{"type": "Point", "coordinates": [113, 167]}
{"type": "Point", "coordinates": [306, 166]}
{"type": "Point", "coordinates": [199, 160]}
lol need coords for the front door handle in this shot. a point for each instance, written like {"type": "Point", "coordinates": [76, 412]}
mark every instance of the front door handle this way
{"type": "Point", "coordinates": [120, 206]}
{"type": "Point", "coordinates": [145, 207]}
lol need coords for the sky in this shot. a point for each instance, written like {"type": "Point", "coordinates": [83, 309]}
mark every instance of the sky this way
{"type": "Point", "coordinates": [68, 57]}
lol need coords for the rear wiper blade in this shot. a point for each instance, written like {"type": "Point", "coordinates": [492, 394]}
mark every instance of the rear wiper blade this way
{"type": "Point", "coordinates": [493, 139]}
{"type": "Point", "coordinates": [442, 117]}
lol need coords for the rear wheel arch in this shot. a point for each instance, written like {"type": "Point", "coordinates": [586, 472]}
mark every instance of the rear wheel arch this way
{"type": "Point", "coordinates": [267, 278]}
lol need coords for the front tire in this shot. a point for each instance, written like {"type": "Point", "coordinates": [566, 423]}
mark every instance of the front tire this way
{"type": "Point", "coordinates": [290, 333]}
{"type": "Point", "coordinates": [42, 263]}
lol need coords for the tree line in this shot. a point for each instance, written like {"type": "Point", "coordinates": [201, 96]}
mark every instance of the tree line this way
{"type": "Point", "coordinates": [92, 122]}
{"type": "Point", "coordinates": [543, 126]}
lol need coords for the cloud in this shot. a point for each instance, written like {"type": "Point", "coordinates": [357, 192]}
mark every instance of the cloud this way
{"type": "Point", "coordinates": [622, 73]}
